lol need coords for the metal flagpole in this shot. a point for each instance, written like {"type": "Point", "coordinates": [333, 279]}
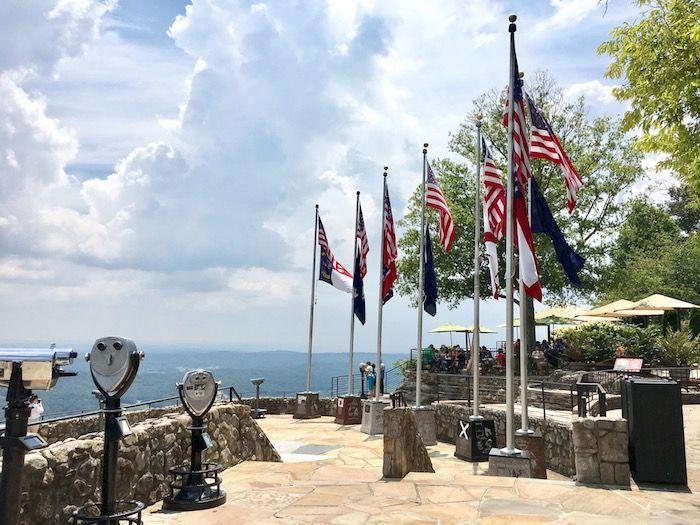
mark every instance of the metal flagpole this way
{"type": "Point", "coordinates": [380, 308]}
{"type": "Point", "coordinates": [351, 383]}
{"type": "Point", "coordinates": [510, 434]}
{"type": "Point", "coordinates": [311, 307]}
{"type": "Point", "coordinates": [477, 295]}
{"type": "Point", "coordinates": [421, 264]}
{"type": "Point", "coordinates": [524, 340]}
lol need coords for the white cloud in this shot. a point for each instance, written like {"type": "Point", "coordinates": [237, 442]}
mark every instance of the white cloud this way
{"type": "Point", "coordinates": [592, 90]}
{"type": "Point", "coordinates": [566, 13]}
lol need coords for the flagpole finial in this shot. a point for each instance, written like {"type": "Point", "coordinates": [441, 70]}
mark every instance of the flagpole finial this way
{"type": "Point", "coordinates": [479, 116]}
{"type": "Point", "coordinates": [358, 193]}
{"type": "Point", "coordinates": [425, 148]}
{"type": "Point", "coordinates": [521, 74]}
{"type": "Point", "coordinates": [317, 206]}
{"type": "Point", "coordinates": [386, 168]}
{"type": "Point", "coordinates": [512, 18]}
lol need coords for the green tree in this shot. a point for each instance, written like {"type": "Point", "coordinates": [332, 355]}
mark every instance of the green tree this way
{"type": "Point", "coordinates": [684, 207]}
{"type": "Point", "coordinates": [598, 147]}
{"type": "Point", "coordinates": [657, 58]}
{"type": "Point", "coordinates": [652, 255]}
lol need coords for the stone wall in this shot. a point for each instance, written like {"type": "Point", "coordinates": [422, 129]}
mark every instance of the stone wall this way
{"type": "Point", "coordinates": [558, 444]}
{"type": "Point", "coordinates": [82, 425]}
{"type": "Point", "coordinates": [67, 474]}
{"type": "Point", "coordinates": [286, 405]}
{"type": "Point", "coordinates": [404, 450]}
{"type": "Point", "coordinates": [600, 448]}
{"type": "Point", "coordinates": [453, 386]}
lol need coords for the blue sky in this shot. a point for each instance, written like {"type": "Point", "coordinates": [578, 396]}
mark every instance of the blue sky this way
{"type": "Point", "coordinates": [159, 161]}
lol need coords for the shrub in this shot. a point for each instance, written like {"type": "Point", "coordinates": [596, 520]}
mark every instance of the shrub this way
{"type": "Point", "coordinates": [597, 341]}
{"type": "Point", "coordinates": [679, 348]}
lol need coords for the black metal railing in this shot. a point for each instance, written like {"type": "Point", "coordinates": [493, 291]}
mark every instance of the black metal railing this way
{"type": "Point", "coordinates": [585, 397]}
{"type": "Point", "coordinates": [686, 376]}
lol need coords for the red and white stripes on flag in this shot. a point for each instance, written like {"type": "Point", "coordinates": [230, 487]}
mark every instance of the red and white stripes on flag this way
{"type": "Point", "coordinates": [330, 269]}
{"type": "Point", "coordinates": [435, 199]}
{"type": "Point", "coordinates": [494, 215]}
{"type": "Point", "coordinates": [363, 244]}
{"type": "Point", "coordinates": [544, 144]}
{"type": "Point", "coordinates": [526, 248]}
{"type": "Point", "coordinates": [521, 152]}
{"type": "Point", "coordinates": [390, 249]}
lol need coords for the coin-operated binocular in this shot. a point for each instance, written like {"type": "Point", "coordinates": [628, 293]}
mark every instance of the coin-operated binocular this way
{"type": "Point", "coordinates": [114, 362]}
{"type": "Point", "coordinates": [196, 485]}
{"type": "Point", "coordinates": [257, 412]}
{"type": "Point", "coordinates": [21, 371]}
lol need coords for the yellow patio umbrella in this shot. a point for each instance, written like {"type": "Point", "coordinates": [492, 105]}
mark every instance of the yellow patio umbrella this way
{"type": "Point", "coordinates": [449, 328]}
{"type": "Point", "coordinates": [482, 329]}
{"type": "Point", "coordinates": [562, 312]}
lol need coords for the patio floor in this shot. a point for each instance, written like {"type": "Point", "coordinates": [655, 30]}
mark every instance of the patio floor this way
{"type": "Point", "coordinates": [333, 475]}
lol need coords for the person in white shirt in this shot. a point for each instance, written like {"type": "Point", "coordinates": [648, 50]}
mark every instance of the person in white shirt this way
{"type": "Point", "coordinates": [37, 409]}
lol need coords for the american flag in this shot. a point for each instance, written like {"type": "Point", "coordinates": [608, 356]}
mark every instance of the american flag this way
{"type": "Point", "coordinates": [521, 154]}
{"type": "Point", "coordinates": [544, 144]}
{"type": "Point", "coordinates": [435, 199]}
{"type": "Point", "coordinates": [494, 215]}
{"type": "Point", "coordinates": [390, 249]}
{"type": "Point", "coordinates": [364, 243]}
{"type": "Point", "coordinates": [494, 195]}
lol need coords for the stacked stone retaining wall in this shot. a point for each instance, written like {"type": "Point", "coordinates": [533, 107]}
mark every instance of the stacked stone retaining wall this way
{"type": "Point", "coordinates": [558, 443]}
{"type": "Point", "coordinates": [67, 474]}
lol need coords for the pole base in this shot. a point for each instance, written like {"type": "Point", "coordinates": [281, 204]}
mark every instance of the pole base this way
{"type": "Point", "coordinates": [508, 464]}
{"type": "Point", "coordinates": [308, 406]}
{"type": "Point", "coordinates": [475, 439]}
{"type": "Point", "coordinates": [127, 511]}
{"type": "Point", "coordinates": [178, 504]}
{"type": "Point", "coordinates": [348, 410]}
{"type": "Point", "coordinates": [533, 442]}
{"type": "Point", "coordinates": [373, 416]}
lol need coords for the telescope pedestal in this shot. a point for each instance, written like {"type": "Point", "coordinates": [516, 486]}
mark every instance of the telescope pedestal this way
{"type": "Point", "coordinates": [197, 485]}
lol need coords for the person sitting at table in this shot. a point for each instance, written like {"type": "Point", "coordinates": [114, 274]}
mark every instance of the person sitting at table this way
{"type": "Point", "coordinates": [501, 358]}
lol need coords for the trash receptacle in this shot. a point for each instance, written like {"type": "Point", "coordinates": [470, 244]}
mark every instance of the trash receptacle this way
{"type": "Point", "coordinates": [654, 414]}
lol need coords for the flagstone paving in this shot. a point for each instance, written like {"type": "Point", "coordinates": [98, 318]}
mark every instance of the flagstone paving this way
{"type": "Point", "coordinates": [333, 475]}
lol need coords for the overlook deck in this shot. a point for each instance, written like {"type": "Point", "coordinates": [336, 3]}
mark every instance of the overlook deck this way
{"type": "Point", "coordinates": [333, 475]}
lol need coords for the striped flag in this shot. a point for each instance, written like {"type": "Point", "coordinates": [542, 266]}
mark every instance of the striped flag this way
{"type": "Point", "coordinates": [364, 243]}
{"type": "Point", "coordinates": [521, 166]}
{"type": "Point", "coordinates": [330, 270]}
{"type": "Point", "coordinates": [521, 153]}
{"type": "Point", "coordinates": [435, 199]}
{"type": "Point", "coordinates": [494, 214]}
{"type": "Point", "coordinates": [390, 250]}
{"type": "Point", "coordinates": [544, 144]}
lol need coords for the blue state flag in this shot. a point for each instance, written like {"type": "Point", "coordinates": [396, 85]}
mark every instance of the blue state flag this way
{"type": "Point", "coordinates": [543, 222]}
{"type": "Point", "coordinates": [358, 290]}
{"type": "Point", "coordinates": [430, 293]}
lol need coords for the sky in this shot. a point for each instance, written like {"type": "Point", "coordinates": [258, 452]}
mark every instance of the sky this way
{"type": "Point", "coordinates": [160, 161]}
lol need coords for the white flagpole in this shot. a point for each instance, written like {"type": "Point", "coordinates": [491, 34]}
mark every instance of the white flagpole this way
{"type": "Point", "coordinates": [311, 308]}
{"type": "Point", "coordinates": [510, 434]}
{"type": "Point", "coordinates": [477, 294]}
{"type": "Point", "coordinates": [380, 308]}
{"type": "Point", "coordinates": [419, 342]}
{"type": "Point", "coordinates": [524, 339]}
{"type": "Point", "coordinates": [351, 383]}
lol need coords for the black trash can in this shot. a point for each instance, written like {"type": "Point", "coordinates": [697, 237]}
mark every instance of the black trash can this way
{"type": "Point", "coordinates": [654, 414]}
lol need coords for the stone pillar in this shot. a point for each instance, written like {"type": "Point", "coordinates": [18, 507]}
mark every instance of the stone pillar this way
{"type": "Point", "coordinates": [600, 451]}
{"type": "Point", "coordinates": [404, 450]}
{"type": "Point", "coordinates": [373, 416]}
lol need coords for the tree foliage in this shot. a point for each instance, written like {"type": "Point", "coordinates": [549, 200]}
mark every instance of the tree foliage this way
{"type": "Point", "coordinates": [657, 58]}
{"type": "Point", "coordinates": [598, 147]}
{"type": "Point", "coordinates": [651, 255]}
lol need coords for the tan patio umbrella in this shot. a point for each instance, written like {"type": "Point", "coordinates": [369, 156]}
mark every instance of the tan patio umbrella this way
{"type": "Point", "coordinates": [661, 302]}
{"type": "Point", "coordinates": [610, 309]}
{"type": "Point", "coordinates": [449, 328]}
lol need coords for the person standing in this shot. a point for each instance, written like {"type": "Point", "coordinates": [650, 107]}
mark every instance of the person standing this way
{"type": "Point", "coordinates": [382, 373]}
{"type": "Point", "coordinates": [37, 409]}
{"type": "Point", "coordinates": [371, 379]}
